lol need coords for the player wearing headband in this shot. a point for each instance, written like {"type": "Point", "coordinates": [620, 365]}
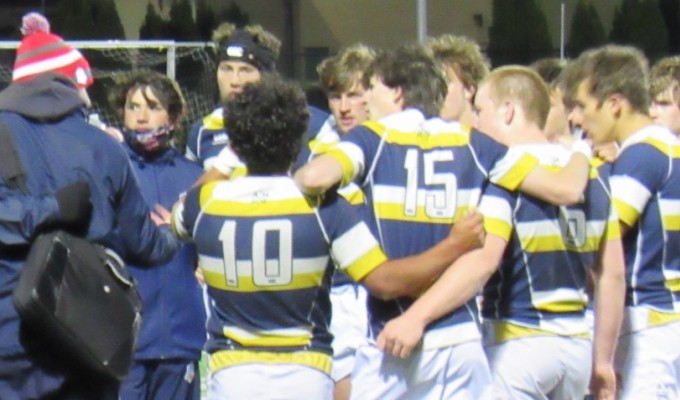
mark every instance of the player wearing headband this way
{"type": "Point", "coordinates": [243, 56]}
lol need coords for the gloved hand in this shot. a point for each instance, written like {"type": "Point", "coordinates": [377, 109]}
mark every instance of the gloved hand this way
{"type": "Point", "coordinates": [75, 208]}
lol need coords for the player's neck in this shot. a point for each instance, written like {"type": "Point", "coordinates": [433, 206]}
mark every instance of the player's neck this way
{"type": "Point", "coordinates": [630, 124]}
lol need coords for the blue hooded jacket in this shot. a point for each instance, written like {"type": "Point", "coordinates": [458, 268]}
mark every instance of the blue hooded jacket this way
{"type": "Point", "coordinates": [58, 147]}
{"type": "Point", "coordinates": [173, 326]}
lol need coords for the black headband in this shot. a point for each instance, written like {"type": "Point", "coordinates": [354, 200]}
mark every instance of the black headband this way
{"type": "Point", "coordinates": [242, 46]}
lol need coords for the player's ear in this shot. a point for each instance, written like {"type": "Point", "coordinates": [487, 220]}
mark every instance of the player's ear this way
{"type": "Point", "coordinates": [398, 95]}
{"type": "Point", "coordinates": [509, 113]}
{"type": "Point", "coordinates": [615, 103]}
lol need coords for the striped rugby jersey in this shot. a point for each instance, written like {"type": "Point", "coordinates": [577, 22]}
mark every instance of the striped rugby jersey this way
{"type": "Point", "coordinates": [207, 138]}
{"type": "Point", "coordinates": [329, 136]}
{"type": "Point", "coordinates": [265, 254]}
{"type": "Point", "coordinates": [540, 286]}
{"type": "Point", "coordinates": [645, 182]}
{"type": "Point", "coordinates": [421, 176]}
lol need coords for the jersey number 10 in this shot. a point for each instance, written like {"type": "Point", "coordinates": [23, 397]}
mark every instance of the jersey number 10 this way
{"type": "Point", "coordinates": [265, 272]}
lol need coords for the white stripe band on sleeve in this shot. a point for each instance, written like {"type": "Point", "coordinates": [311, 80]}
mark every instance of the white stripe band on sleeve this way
{"type": "Point", "coordinates": [47, 65]}
{"type": "Point", "coordinates": [629, 191]}
{"type": "Point", "coordinates": [353, 244]}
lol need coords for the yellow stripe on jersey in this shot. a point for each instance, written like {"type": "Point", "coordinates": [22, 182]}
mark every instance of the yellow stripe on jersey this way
{"type": "Point", "coordinates": [353, 194]}
{"type": "Point", "coordinates": [592, 244]}
{"type": "Point", "coordinates": [346, 165]}
{"type": "Point", "coordinates": [426, 141]}
{"type": "Point", "coordinates": [564, 306]}
{"type": "Point", "coordinates": [537, 244]}
{"type": "Point", "coordinates": [613, 230]}
{"type": "Point", "coordinates": [375, 126]}
{"type": "Point", "coordinates": [294, 206]}
{"type": "Point", "coordinates": [246, 284]}
{"type": "Point", "coordinates": [357, 252]}
{"type": "Point", "coordinates": [664, 147]}
{"type": "Point", "coordinates": [669, 212]}
{"type": "Point", "coordinates": [671, 222]}
{"type": "Point", "coordinates": [239, 171]}
{"type": "Point", "coordinates": [519, 170]}
{"type": "Point", "coordinates": [595, 163]}
{"type": "Point", "coordinates": [498, 227]}
{"type": "Point", "coordinates": [214, 120]}
{"type": "Point", "coordinates": [657, 317]}
{"type": "Point", "coordinates": [317, 147]}
{"type": "Point", "coordinates": [275, 338]}
{"type": "Point", "coordinates": [673, 284]}
{"type": "Point", "coordinates": [268, 209]}
{"type": "Point", "coordinates": [228, 358]}
{"type": "Point", "coordinates": [395, 212]}
{"type": "Point", "coordinates": [366, 264]}
{"type": "Point", "coordinates": [627, 213]}
{"type": "Point", "coordinates": [504, 331]}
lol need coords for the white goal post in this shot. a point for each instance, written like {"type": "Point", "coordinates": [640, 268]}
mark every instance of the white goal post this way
{"type": "Point", "coordinates": [191, 64]}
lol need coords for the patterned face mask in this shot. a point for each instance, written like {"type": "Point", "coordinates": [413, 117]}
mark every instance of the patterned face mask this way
{"type": "Point", "coordinates": [151, 141]}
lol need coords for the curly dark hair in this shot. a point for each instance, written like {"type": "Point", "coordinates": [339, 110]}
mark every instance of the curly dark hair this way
{"type": "Point", "coordinates": [265, 123]}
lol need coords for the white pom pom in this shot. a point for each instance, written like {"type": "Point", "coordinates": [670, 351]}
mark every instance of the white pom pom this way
{"type": "Point", "coordinates": [34, 22]}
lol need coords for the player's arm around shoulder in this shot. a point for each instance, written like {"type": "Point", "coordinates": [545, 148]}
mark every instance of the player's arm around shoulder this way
{"type": "Point", "coordinates": [319, 175]}
{"type": "Point", "coordinates": [564, 186]}
{"type": "Point", "coordinates": [410, 276]}
{"type": "Point", "coordinates": [459, 283]}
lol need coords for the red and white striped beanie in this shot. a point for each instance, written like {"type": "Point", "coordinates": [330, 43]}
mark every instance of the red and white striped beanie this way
{"type": "Point", "coordinates": [41, 51]}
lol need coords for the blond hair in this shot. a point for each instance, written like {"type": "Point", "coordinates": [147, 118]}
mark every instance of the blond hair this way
{"type": "Point", "coordinates": [665, 75]}
{"type": "Point", "coordinates": [341, 71]}
{"type": "Point", "coordinates": [521, 85]}
{"type": "Point", "coordinates": [462, 55]}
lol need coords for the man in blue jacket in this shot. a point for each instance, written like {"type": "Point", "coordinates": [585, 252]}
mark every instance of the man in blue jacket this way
{"type": "Point", "coordinates": [43, 110]}
{"type": "Point", "coordinates": [173, 328]}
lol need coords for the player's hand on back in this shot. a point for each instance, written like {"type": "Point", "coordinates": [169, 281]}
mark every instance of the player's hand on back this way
{"type": "Point", "coordinates": [400, 336]}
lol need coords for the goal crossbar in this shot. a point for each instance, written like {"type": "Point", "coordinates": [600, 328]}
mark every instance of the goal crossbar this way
{"type": "Point", "coordinates": [170, 47]}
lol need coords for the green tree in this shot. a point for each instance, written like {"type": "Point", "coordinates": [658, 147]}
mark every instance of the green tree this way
{"type": "Point", "coordinates": [87, 19]}
{"type": "Point", "coordinates": [73, 19]}
{"type": "Point", "coordinates": [235, 15]}
{"type": "Point", "coordinates": [153, 26]}
{"type": "Point", "coordinates": [670, 9]}
{"type": "Point", "coordinates": [205, 20]}
{"type": "Point", "coordinates": [639, 23]}
{"type": "Point", "coordinates": [107, 21]}
{"type": "Point", "coordinates": [182, 25]}
{"type": "Point", "coordinates": [586, 28]}
{"type": "Point", "coordinates": [518, 33]}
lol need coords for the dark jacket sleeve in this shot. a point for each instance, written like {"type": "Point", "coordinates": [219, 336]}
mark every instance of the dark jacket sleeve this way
{"type": "Point", "coordinates": [144, 242]}
{"type": "Point", "coordinates": [21, 215]}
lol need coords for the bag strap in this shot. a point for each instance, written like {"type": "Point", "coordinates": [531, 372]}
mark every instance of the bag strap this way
{"type": "Point", "coordinates": [11, 168]}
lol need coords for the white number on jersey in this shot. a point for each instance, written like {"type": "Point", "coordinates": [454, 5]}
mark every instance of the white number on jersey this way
{"type": "Point", "coordinates": [573, 226]}
{"type": "Point", "coordinates": [265, 272]}
{"type": "Point", "coordinates": [439, 202]}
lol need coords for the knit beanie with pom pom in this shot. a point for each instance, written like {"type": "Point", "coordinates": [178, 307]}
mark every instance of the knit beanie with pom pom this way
{"type": "Point", "coordinates": [41, 51]}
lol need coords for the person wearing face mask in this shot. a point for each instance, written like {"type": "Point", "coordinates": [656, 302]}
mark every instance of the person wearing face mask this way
{"type": "Point", "coordinates": [173, 328]}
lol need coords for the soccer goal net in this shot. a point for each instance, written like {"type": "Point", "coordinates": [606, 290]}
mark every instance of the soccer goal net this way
{"type": "Point", "coordinates": [189, 63]}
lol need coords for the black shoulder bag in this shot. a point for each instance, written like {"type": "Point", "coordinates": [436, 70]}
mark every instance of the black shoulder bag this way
{"type": "Point", "coordinates": [78, 294]}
